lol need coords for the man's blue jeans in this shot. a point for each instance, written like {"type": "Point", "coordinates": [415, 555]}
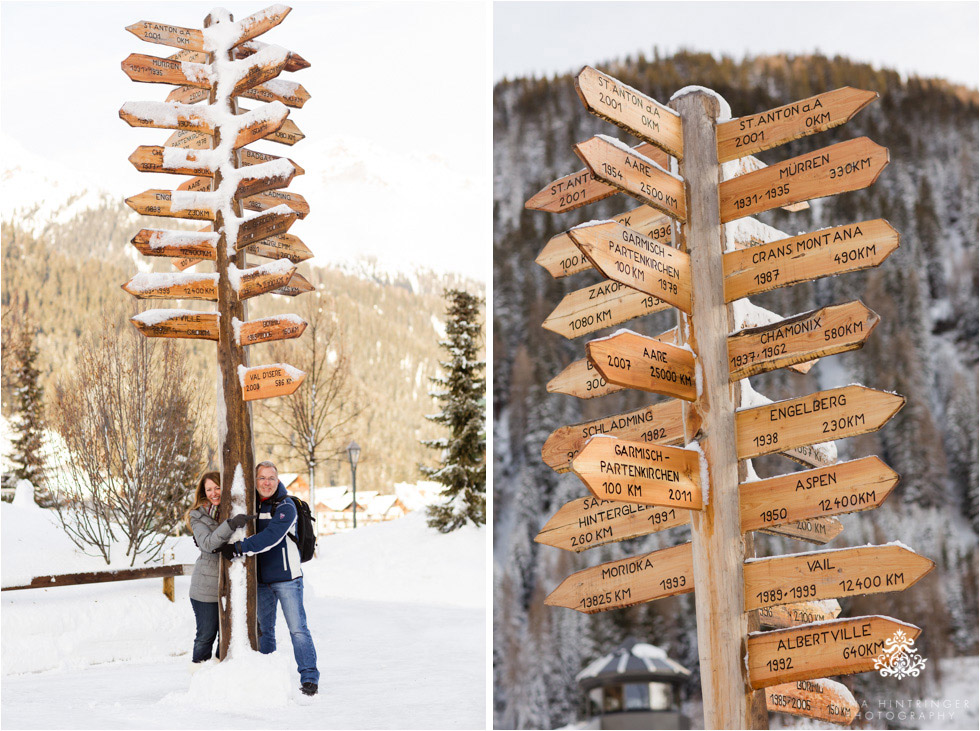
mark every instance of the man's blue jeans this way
{"type": "Point", "coordinates": [290, 595]}
{"type": "Point", "coordinates": [206, 619]}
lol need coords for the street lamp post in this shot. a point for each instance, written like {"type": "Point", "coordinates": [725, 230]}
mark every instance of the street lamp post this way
{"type": "Point", "coordinates": [353, 453]}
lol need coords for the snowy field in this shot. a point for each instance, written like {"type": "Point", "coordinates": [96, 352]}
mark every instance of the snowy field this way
{"type": "Point", "coordinates": [397, 613]}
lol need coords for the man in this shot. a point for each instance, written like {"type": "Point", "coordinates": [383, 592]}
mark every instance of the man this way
{"type": "Point", "coordinates": [280, 578]}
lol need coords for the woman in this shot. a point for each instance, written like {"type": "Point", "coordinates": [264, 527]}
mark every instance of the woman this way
{"type": "Point", "coordinates": [202, 519]}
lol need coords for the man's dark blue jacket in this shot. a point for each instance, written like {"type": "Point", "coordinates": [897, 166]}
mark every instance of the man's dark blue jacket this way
{"type": "Point", "coordinates": [278, 557]}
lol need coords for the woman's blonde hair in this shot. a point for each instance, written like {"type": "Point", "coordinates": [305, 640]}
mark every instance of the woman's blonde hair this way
{"type": "Point", "coordinates": [200, 496]}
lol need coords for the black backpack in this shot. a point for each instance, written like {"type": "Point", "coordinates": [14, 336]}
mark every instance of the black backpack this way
{"type": "Point", "coordinates": [305, 528]}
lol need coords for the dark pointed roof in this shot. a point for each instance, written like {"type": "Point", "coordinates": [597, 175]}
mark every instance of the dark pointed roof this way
{"type": "Point", "coordinates": [632, 662]}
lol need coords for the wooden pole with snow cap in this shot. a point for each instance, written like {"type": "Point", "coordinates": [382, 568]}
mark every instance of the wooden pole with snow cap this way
{"type": "Point", "coordinates": [677, 251]}
{"type": "Point", "coordinates": [219, 64]}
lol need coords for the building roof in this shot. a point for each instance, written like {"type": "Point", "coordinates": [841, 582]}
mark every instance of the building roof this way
{"type": "Point", "coordinates": [632, 661]}
{"type": "Point", "coordinates": [288, 478]}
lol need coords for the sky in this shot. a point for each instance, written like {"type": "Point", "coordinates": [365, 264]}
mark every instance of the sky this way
{"type": "Point", "coordinates": [922, 38]}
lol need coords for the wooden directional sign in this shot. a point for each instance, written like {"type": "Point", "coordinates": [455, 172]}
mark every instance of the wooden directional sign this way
{"type": "Point", "coordinates": [635, 361]}
{"type": "Point", "coordinates": [820, 699]}
{"type": "Point", "coordinates": [841, 647]}
{"type": "Point", "coordinates": [561, 257]}
{"type": "Point", "coordinates": [200, 184]}
{"type": "Point", "coordinates": [269, 381]}
{"type": "Point", "coordinates": [791, 615]}
{"type": "Point", "coordinates": [601, 305]}
{"type": "Point", "coordinates": [764, 130]}
{"type": "Point", "coordinates": [166, 115]}
{"type": "Point", "coordinates": [812, 530]}
{"type": "Point", "coordinates": [273, 222]}
{"type": "Point", "coordinates": [265, 178]}
{"type": "Point", "coordinates": [294, 62]}
{"type": "Point", "coordinates": [823, 253]}
{"type": "Point", "coordinates": [581, 379]}
{"type": "Point", "coordinates": [298, 284]}
{"type": "Point", "coordinates": [265, 201]}
{"type": "Point", "coordinates": [628, 257]}
{"type": "Point", "coordinates": [168, 35]}
{"type": "Point", "coordinates": [177, 324]}
{"type": "Point", "coordinates": [661, 423]}
{"type": "Point", "coordinates": [261, 68]}
{"type": "Point", "coordinates": [159, 203]}
{"type": "Point", "coordinates": [582, 187]}
{"type": "Point", "coordinates": [188, 140]}
{"type": "Point", "coordinates": [266, 278]}
{"type": "Point", "coordinates": [589, 522]}
{"type": "Point", "coordinates": [281, 246]}
{"type": "Point", "coordinates": [140, 67]}
{"type": "Point", "coordinates": [813, 455]}
{"type": "Point", "coordinates": [280, 327]}
{"type": "Point", "coordinates": [147, 285]}
{"type": "Point", "coordinates": [847, 487]}
{"type": "Point", "coordinates": [846, 166]}
{"type": "Point", "coordinates": [637, 472]}
{"type": "Point", "coordinates": [619, 165]}
{"type": "Point", "coordinates": [831, 574]}
{"type": "Point", "coordinates": [833, 414]}
{"type": "Point", "coordinates": [629, 109]}
{"type": "Point", "coordinates": [258, 23]}
{"type": "Point", "coordinates": [807, 336]}
{"type": "Point", "coordinates": [626, 582]}
{"type": "Point", "coordinates": [196, 244]}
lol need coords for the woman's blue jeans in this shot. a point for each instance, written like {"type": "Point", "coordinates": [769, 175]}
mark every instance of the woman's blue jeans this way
{"type": "Point", "coordinates": [206, 617]}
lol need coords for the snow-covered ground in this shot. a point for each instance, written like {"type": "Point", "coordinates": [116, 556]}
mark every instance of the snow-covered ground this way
{"type": "Point", "coordinates": [397, 612]}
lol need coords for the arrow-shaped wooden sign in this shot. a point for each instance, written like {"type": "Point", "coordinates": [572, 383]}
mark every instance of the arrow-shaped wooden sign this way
{"type": "Point", "coordinates": [264, 178]}
{"type": "Point", "coordinates": [833, 414]}
{"type": "Point", "coordinates": [150, 159]}
{"type": "Point", "coordinates": [154, 70]}
{"type": "Point", "coordinates": [561, 257]}
{"type": "Point", "coordinates": [297, 284]}
{"type": "Point", "coordinates": [823, 253]}
{"type": "Point", "coordinates": [639, 176]}
{"type": "Point", "coordinates": [271, 125]}
{"type": "Point", "coordinates": [195, 244]}
{"type": "Point", "coordinates": [177, 324]}
{"type": "Point", "coordinates": [581, 379]}
{"type": "Point", "coordinates": [168, 35]}
{"type": "Point", "coordinates": [281, 246]}
{"type": "Point", "coordinates": [156, 202]}
{"type": "Point", "coordinates": [612, 100]}
{"type": "Point", "coordinates": [278, 379]}
{"type": "Point", "coordinates": [280, 327]}
{"type": "Point", "coordinates": [626, 582]}
{"type": "Point", "coordinates": [765, 130]}
{"type": "Point", "coordinates": [167, 115]}
{"type": "Point", "coordinates": [813, 530]}
{"type": "Point", "coordinates": [831, 574]}
{"type": "Point", "coordinates": [820, 699]}
{"type": "Point", "coordinates": [278, 90]}
{"type": "Point", "coordinates": [661, 423]}
{"type": "Point", "coordinates": [843, 167]}
{"type": "Point", "coordinates": [628, 257]}
{"type": "Point", "coordinates": [265, 201]}
{"type": "Point", "coordinates": [635, 361]}
{"type": "Point", "coordinates": [589, 522]}
{"type": "Point", "coordinates": [637, 472]}
{"type": "Point", "coordinates": [258, 23]}
{"type": "Point", "coordinates": [150, 285]}
{"type": "Point", "coordinates": [807, 336]}
{"type": "Point", "coordinates": [841, 647]}
{"type": "Point", "coordinates": [791, 615]}
{"type": "Point", "coordinates": [262, 279]}
{"type": "Point", "coordinates": [847, 487]}
{"type": "Point", "coordinates": [602, 305]}
{"type": "Point", "coordinates": [582, 187]}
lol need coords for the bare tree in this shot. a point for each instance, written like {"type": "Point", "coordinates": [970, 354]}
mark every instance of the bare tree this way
{"type": "Point", "coordinates": [131, 423]}
{"type": "Point", "coordinates": [313, 423]}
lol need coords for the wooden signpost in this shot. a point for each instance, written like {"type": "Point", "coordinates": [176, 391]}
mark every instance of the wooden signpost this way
{"type": "Point", "coordinates": [626, 582]}
{"type": "Point", "coordinates": [589, 522]}
{"type": "Point", "coordinates": [216, 65]}
{"type": "Point", "coordinates": [673, 252]}
{"type": "Point", "coordinates": [637, 472]}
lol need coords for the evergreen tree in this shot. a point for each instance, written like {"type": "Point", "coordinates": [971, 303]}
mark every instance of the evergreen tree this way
{"type": "Point", "coordinates": [463, 468]}
{"type": "Point", "coordinates": [28, 424]}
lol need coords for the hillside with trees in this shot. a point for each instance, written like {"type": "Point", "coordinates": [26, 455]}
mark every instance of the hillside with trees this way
{"type": "Point", "coordinates": [925, 348]}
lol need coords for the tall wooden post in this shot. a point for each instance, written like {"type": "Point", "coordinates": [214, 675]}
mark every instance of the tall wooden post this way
{"type": "Point", "coordinates": [235, 423]}
{"type": "Point", "coordinates": [717, 543]}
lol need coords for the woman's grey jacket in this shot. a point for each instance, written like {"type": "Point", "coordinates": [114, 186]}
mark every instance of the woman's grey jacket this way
{"type": "Point", "coordinates": [209, 536]}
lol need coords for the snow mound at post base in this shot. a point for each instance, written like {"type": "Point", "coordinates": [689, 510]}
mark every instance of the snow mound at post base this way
{"type": "Point", "coordinates": [250, 682]}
